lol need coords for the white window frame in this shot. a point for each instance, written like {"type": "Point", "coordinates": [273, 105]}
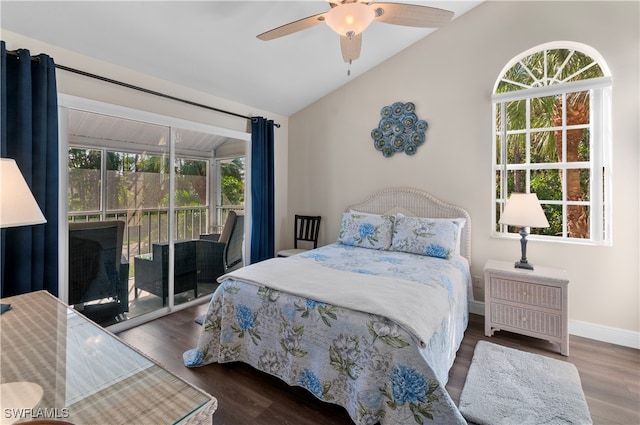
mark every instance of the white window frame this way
{"type": "Point", "coordinates": [599, 164]}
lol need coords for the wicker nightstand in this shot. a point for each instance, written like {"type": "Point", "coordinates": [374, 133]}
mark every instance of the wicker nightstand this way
{"type": "Point", "coordinates": [528, 302]}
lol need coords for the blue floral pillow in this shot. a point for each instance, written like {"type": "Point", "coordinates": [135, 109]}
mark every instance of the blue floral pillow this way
{"type": "Point", "coordinates": [366, 230]}
{"type": "Point", "coordinates": [433, 237]}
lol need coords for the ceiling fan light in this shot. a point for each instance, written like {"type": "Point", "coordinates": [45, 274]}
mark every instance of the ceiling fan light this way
{"type": "Point", "coordinates": [350, 19]}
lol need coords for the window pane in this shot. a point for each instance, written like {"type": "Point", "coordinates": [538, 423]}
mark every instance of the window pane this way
{"type": "Point", "coordinates": [578, 108]}
{"type": "Point", "coordinates": [232, 182]}
{"type": "Point", "coordinates": [137, 181]}
{"type": "Point", "coordinates": [516, 149]}
{"type": "Point", "coordinates": [577, 144]}
{"type": "Point", "coordinates": [83, 193]}
{"type": "Point", "coordinates": [555, 61]}
{"type": "Point", "coordinates": [578, 221]}
{"type": "Point", "coordinates": [231, 194]}
{"type": "Point", "coordinates": [584, 148]}
{"type": "Point", "coordinates": [190, 198]}
{"type": "Point", "coordinates": [520, 72]}
{"type": "Point", "coordinates": [498, 149]}
{"type": "Point", "coordinates": [516, 181]}
{"type": "Point", "coordinates": [498, 185]}
{"type": "Point", "coordinates": [544, 148]}
{"type": "Point", "coordinates": [578, 181]}
{"type": "Point", "coordinates": [191, 183]}
{"type": "Point", "coordinates": [542, 112]}
{"type": "Point", "coordinates": [580, 61]}
{"type": "Point", "coordinates": [516, 115]}
{"type": "Point", "coordinates": [547, 184]}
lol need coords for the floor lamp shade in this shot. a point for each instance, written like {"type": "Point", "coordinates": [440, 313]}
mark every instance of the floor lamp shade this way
{"type": "Point", "coordinates": [18, 207]}
{"type": "Point", "coordinates": [524, 210]}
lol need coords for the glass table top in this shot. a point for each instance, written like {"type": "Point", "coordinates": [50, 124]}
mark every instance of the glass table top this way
{"type": "Point", "coordinates": [85, 374]}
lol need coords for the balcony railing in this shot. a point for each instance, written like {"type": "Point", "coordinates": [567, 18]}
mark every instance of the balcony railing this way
{"type": "Point", "coordinates": [144, 227]}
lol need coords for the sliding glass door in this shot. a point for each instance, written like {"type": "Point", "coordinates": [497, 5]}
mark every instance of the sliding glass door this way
{"type": "Point", "coordinates": [162, 183]}
{"type": "Point", "coordinates": [119, 171]}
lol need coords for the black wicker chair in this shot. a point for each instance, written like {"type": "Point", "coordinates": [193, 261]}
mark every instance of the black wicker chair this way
{"type": "Point", "coordinates": [98, 272]}
{"type": "Point", "coordinates": [196, 261]}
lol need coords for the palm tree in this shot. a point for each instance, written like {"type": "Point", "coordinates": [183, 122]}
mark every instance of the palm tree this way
{"type": "Point", "coordinates": [544, 68]}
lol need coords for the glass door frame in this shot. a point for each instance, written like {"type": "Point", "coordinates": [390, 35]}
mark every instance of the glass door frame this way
{"type": "Point", "coordinates": [66, 102]}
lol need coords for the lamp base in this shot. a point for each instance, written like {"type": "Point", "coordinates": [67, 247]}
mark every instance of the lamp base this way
{"type": "Point", "coordinates": [523, 265]}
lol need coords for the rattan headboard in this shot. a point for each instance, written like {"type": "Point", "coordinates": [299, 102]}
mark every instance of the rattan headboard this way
{"type": "Point", "coordinates": [414, 202]}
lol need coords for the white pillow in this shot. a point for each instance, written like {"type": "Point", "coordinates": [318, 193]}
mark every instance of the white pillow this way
{"type": "Point", "coordinates": [366, 230]}
{"type": "Point", "coordinates": [461, 223]}
{"type": "Point", "coordinates": [434, 237]}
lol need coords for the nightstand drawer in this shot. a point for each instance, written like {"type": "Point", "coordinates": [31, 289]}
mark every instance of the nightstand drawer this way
{"type": "Point", "coordinates": [530, 320]}
{"type": "Point", "coordinates": [526, 293]}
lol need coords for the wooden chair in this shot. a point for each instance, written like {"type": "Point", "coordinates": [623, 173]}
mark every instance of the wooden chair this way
{"type": "Point", "coordinates": [306, 230]}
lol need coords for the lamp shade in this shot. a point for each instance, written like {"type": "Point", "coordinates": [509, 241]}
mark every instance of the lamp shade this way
{"type": "Point", "coordinates": [524, 210]}
{"type": "Point", "coordinates": [350, 19]}
{"type": "Point", "coordinates": [18, 207]}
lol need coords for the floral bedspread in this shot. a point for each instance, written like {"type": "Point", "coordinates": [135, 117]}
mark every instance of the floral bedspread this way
{"type": "Point", "coordinates": [364, 362]}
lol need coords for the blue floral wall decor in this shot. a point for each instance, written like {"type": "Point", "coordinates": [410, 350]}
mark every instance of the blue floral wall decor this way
{"type": "Point", "coordinates": [399, 130]}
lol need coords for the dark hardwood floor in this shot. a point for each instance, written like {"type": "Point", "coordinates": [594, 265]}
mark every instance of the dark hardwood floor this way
{"type": "Point", "coordinates": [610, 375]}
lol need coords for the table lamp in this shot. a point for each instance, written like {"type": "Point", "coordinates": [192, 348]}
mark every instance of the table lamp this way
{"type": "Point", "coordinates": [524, 210]}
{"type": "Point", "coordinates": [18, 207]}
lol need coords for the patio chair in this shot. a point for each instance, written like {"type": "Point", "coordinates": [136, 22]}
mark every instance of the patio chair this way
{"type": "Point", "coordinates": [98, 272]}
{"type": "Point", "coordinates": [233, 238]}
{"type": "Point", "coordinates": [152, 271]}
{"type": "Point", "coordinates": [231, 241]}
{"type": "Point", "coordinates": [196, 261]}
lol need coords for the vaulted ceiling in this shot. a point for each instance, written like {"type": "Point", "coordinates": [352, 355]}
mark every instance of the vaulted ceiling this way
{"type": "Point", "coordinates": [211, 46]}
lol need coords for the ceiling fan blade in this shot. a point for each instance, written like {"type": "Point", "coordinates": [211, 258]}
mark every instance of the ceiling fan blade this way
{"type": "Point", "coordinates": [291, 27]}
{"type": "Point", "coordinates": [411, 15]}
{"type": "Point", "coordinates": [351, 47]}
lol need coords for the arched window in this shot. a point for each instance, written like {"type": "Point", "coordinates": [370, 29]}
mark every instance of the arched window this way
{"type": "Point", "coordinates": [552, 136]}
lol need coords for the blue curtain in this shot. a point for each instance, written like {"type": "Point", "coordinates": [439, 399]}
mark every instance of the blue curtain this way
{"type": "Point", "coordinates": [262, 190]}
{"type": "Point", "coordinates": [29, 134]}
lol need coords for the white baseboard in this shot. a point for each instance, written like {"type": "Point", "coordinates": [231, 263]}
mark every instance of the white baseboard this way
{"type": "Point", "coordinates": [476, 307]}
{"type": "Point", "coordinates": [605, 333]}
{"type": "Point", "coordinates": [602, 333]}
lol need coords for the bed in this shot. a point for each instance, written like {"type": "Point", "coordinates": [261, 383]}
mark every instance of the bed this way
{"type": "Point", "coordinates": [371, 322]}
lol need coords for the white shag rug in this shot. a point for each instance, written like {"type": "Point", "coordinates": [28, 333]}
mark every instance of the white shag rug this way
{"type": "Point", "coordinates": [508, 386]}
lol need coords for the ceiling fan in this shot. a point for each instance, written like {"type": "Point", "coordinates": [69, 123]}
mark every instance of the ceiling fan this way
{"type": "Point", "coordinates": [349, 18]}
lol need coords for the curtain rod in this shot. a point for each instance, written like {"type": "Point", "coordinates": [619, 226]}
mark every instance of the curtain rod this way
{"type": "Point", "coordinates": [142, 89]}
{"type": "Point", "coordinates": [155, 93]}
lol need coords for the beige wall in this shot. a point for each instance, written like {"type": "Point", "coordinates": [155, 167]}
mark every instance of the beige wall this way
{"type": "Point", "coordinates": [449, 76]}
